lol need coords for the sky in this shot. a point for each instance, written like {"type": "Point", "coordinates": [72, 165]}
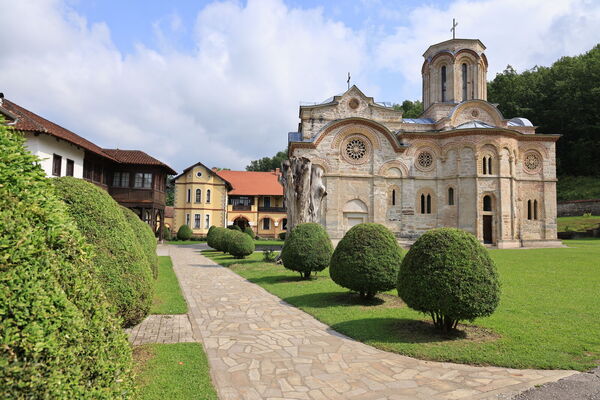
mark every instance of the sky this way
{"type": "Point", "coordinates": [220, 82]}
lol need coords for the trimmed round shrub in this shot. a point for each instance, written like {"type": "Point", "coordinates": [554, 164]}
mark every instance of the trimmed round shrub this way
{"type": "Point", "coordinates": [239, 244]}
{"type": "Point", "coordinates": [184, 233]}
{"type": "Point", "coordinates": [282, 235]}
{"type": "Point", "coordinates": [449, 275]}
{"type": "Point", "coordinates": [211, 236]}
{"type": "Point", "coordinates": [248, 231]}
{"type": "Point", "coordinates": [145, 237]}
{"type": "Point", "coordinates": [307, 249]}
{"type": "Point", "coordinates": [59, 336]}
{"type": "Point", "coordinates": [218, 239]}
{"type": "Point", "coordinates": [120, 261]}
{"type": "Point", "coordinates": [235, 228]}
{"type": "Point", "coordinates": [366, 260]}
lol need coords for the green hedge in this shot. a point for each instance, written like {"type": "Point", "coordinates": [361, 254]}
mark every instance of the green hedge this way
{"type": "Point", "coordinates": [215, 238]}
{"type": "Point", "coordinates": [366, 260]}
{"type": "Point", "coordinates": [120, 261]}
{"type": "Point", "coordinates": [248, 231]}
{"type": "Point", "coordinates": [145, 237]}
{"type": "Point", "coordinates": [59, 336]}
{"type": "Point", "coordinates": [184, 233]}
{"type": "Point", "coordinates": [307, 249]}
{"type": "Point", "coordinates": [449, 275]}
{"type": "Point", "coordinates": [239, 244]}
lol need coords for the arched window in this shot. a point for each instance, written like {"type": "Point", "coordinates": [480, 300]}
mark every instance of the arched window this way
{"type": "Point", "coordinates": [198, 195]}
{"type": "Point", "coordinates": [188, 197]}
{"type": "Point", "coordinates": [207, 221]}
{"type": "Point", "coordinates": [208, 195]}
{"type": "Point", "coordinates": [284, 224]}
{"type": "Point", "coordinates": [487, 203]}
{"type": "Point", "coordinates": [529, 210]}
{"type": "Point", "coordinates": [266, 223]}
{"type": "Point", "coordinates": [486, 165]}
{"type": "Point", "coordinates": [443, 83]}
{"type": "Point", "coordinates": [422, 204]}
{"type": "Point", "coordinates": [450, 196]}
{"type": "Point", "coordinates": [464, 82]}
{"type": "Point", "coordinates": [535, 209]}
{"type": "Point", "coordinates": [393, 197]}
{"type": "Point", "coordinates": [428, 204]}
{"type": "Point", "coordinates": [489, 165]}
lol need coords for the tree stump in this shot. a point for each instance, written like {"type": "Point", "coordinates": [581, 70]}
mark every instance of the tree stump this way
{"type": "Point", "coordinates": [303, 190]}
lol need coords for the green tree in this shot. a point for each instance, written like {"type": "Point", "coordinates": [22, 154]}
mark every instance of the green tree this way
{"type": "Point", "coordinates": [268, 163]}
{"type": "Point", "coordinates": [410, 109]}
{"type": "Point", "coordinates": [170, 191]}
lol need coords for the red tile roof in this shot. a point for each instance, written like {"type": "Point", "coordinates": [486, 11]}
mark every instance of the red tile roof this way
{"type": "Point", "coordinates": [250, 183]}
{"type": "Point", "coordinates": [136, 157]}
{"type": "Point", "coordinates": [28, 121]}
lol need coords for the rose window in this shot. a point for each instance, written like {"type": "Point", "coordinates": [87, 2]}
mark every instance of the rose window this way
{"type": "Point", "coordinates": [532, 162]}
{"type": "Point", "coordinates": [425, 159]}
{"type": "Point", "coordinates": [356, 149]}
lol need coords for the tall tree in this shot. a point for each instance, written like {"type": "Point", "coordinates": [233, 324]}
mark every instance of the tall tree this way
{"type": "Point", "coordinates": [410, 109]}
{"type": "Point", "coordinates": [268, 163]}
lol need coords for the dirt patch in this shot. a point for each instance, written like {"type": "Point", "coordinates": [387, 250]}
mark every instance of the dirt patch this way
{"type": "Point", "coordinates": [424, 331]}
{"type": "Point", "coordinates": [141, 355]}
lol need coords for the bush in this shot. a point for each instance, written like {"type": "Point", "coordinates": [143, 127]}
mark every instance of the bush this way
{"type": "Point", "coordinates": [239, 244]}
{"type": "Point", "coordinates": [269, 255]}
{"type": "Point", "coordinates": [145, 237]}
{"type": "Point", "coordinates": [167, 233]}
{"type": "Point", "coordinates": [184, 233]}
{"type": "Point", "coordinates": [120, 261]}
{"type": "Point", "coordinates": [211, 236]}
{"type": "Point", "coordinates": [235, 228]}
{"type": "Point", "coordinates": [248, 231]}
{"type": "Point", "coordinates": [307, 249]}
{"type": "Point", "coordinates": [366, 260]}
{"type": "Point", "coordinates": [59, 337]}
{"type": "Point", "coordinates": [216, 239]}
{"type": "Point", "coordinates": [449, 275]}
{"type": "Point", "coordinates": [282, 235]}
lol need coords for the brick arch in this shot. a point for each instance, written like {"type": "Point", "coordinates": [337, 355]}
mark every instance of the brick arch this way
{"type": "Point", "coordinates": [484, 105]}
{"type": "Point", "coordinates": [393, 164]}
{"type": "Point", "coordinates": [356, 121]}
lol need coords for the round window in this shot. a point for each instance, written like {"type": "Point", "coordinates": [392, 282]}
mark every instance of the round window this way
{"type": "Point", "coordinates": [425, 159]}
{"type": "Point", "coordinates": [354, 103]}
{"type": "Point", "coordinates": [198, 174]}
{"type": "Point", "coordinates": [356, 149]}
{"type": "Point", "coordinates": [532, 162]}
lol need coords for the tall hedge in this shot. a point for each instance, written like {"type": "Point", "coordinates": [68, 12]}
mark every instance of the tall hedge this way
{"type": "Point", "coordinates": [366, 260]}
{"type": "Point", "coordinates": [59, 336]}
{"type": "Point", "coordinates": [307, 249]}
{"type": "Point", "coordinates": [145, 237]}
{"type": "Point", "coordinates": [120, 261]}
{"type": "Point", "coordinates": [184, 233]}
{"type": "Point", "coordinates": [449, 275]}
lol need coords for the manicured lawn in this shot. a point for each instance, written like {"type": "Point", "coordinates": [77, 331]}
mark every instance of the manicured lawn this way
{"type": "Point", "coordinates": [185, 241]}
{"type": "Point", "coordinates": [268, 242]}
{"type": "Point", "coordinates": [172, 371]}
{"type": "Point", "coordinates": [578, 224]}
{"type": "Point", "coordinates": [167, 294]}
{"type": "Point", "coordinates": [549, 314]}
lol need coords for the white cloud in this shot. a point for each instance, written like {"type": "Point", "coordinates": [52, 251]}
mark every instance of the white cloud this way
{"type": "Point", "coordinates": [234, 96]}
{"type": "Point", "coordinates": [231, 100]}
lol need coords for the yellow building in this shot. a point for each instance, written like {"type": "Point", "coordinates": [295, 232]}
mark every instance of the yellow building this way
{"type": "Point", "coordinates": [205, 197]}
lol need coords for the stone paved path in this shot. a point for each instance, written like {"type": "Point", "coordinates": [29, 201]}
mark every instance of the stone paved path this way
{"type": "Point", "coordinates": [162, 329]}
{"type": "Point", "coordinates": [259, 347]}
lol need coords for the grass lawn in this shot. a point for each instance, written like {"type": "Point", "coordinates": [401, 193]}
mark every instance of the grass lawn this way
{"type": "Point", "coordinates": [172, 371]}
{"type": "Point", "coordinates": [268, 242]}
{"type": "Point", "coordinates": [167, 294]}
{"type": "Point", "coordinates": [578, 224]}
{"type": "Point", "coordinates": [549, 314]}
{"type": "Point", "coordinates": [185, 241]}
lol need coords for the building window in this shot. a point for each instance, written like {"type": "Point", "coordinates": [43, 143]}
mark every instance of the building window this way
{"type": "Point", "coordinates": [450, 196]}
{"type": "Point", "coordinates": [207, 221]}
{"type": "Point", "coordinates": [70, 167]}
{"type": "Point", "coordinates": [535, 209]}
{"type": "Point", "coordinates": [487, 203]}
{"type": "Point", "coordinates": [208, 195]}
{"type": "Point", "coordinates": [143, 181]}
{"type": "Point", "coordinates": [196, 221]}
{"type": "Point", "coordinates": [187, 219]}
{"type": "Point", "coordinates": [425, 203]}
{"type": "Point", "coordinates": [121, 179]}
{"type": "Point", "coordinates": [443, 83]}
{"type": "Point", "coordinates": [284, 224]}
{"type": "Point", "coordinates": [56, 164]}
{"type": "Point", "coordinates": [486, 165]}
{"type": "Point", "coordinates": [198, 195]}
{"type": "Point", "coordinates": [116, 179]}
{"type": "Point", "coordinates": [266, 223]}
{"type": "Point", "coordinates": [464, 82]}
{"type": "Point", "coordinates": [189, 196]}
{"type": "Point", "coordinates": [97, 173]}
{"type": "Point", "coordinates": [266, 202]}
{"type": "Point", "coordinates": [532, 209]}
{"type": "Point", "coordinates": [393, 197]}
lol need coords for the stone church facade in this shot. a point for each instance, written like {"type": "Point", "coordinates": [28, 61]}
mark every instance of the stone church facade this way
{"type": "Point", "coordinates": [461, 164]}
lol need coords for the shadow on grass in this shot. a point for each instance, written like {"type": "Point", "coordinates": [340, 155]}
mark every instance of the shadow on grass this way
{"type": "Point", "coordinates": [329, 299]}
{"type": "Point", "coordinates": [403, 330]}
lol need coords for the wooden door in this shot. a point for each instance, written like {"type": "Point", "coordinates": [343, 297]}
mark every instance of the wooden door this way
{"type": "Point", "coordinates": [487, 229]}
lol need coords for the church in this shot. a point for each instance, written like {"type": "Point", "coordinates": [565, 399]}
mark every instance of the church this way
{"type": "Point", "coordinates": [461, 164]}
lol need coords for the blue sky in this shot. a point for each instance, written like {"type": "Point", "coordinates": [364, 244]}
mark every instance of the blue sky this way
{"type": "Point", "coordinates": [220, 81]}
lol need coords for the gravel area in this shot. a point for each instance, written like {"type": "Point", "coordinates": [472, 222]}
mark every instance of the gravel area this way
{"type": "Point", "coordinates": [584, 386]}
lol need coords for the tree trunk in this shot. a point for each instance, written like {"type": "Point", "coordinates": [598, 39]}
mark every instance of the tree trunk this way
{"type": "Point", "coordinates": [303, 190]}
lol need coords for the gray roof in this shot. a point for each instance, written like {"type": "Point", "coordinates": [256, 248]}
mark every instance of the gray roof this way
{"type": "Point", "coordinates": [418, 120]}
{"type": "Point", "coordinates": [519, 121]}
{"type": "Point", "coordinates": [294, 137]}
{"type": "Point", "coordinates": [474, 124]}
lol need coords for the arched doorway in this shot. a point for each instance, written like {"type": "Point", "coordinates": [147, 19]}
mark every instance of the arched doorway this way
{"type": "Point", "coordinates": [488, 219]}
{"type": "Point", "coordinates": [242, 222]}
{"type": "Point", "coordinates": [355, 212]}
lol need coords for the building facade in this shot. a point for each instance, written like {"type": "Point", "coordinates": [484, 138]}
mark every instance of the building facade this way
{"type": "Point", "coordinates": [205, 197]}
{"type": "Point", "coordinates": [461, 164]}
{"type": "Point", "coordinates": [133, 178]}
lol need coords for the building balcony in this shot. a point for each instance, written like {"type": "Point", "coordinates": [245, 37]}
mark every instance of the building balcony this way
{"type": "Point", "coordinates": [272, 209]}
{"type": "Point", "coordinates": [239, 207]}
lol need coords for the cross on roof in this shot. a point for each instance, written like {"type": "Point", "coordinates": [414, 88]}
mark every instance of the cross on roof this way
{"type": "Point", "coordinates": [454, 24]}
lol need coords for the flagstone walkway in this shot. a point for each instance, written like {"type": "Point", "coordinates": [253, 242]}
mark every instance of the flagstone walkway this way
{"type": "Point", "coordinates": [259, 347]}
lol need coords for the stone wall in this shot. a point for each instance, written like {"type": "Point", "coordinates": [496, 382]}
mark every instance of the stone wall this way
{"type": "Point", "coordinates": [577, 208]}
